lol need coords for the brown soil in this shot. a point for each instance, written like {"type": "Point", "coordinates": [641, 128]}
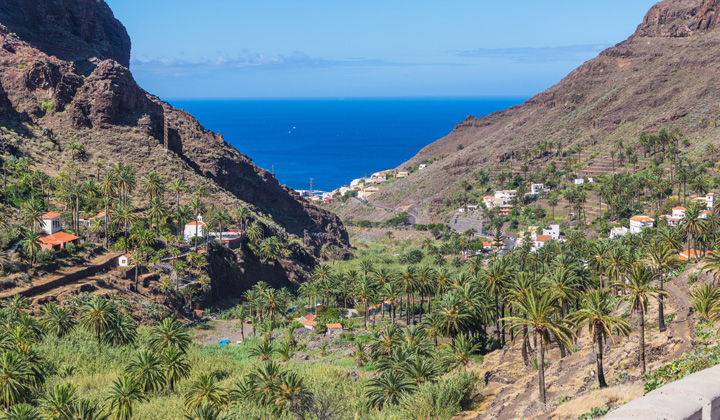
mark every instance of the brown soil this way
{"type": "Point", "coordinates": [218, 329]}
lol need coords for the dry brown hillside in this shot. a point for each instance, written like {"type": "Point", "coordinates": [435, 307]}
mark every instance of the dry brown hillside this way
{"type": "Point", "coordinates": [664, 76]}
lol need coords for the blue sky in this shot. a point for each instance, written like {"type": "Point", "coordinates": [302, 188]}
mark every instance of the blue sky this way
{"type": "Point", "coordinates": [369, 48]}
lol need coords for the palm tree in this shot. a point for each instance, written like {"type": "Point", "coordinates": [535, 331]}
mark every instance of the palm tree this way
{"type": "Point", "coordinates": [15, 379]}
{"type": "Point", "coordinates": [264, 351]}
{"type": "Point", "coordinates": [198, 207]}
{"type": "Point", "coordinates": [153, 185]}
{"type": "Point", "coordinates": [205, 390]}
{"type": "Point", "coordinates": [121, 331]}
{"type": "Point", "coordinates": [460, 352]}
{"type": "Point", "coordinates": [661, 259]}
{"type": "Point", "coordinates": [57, 403]}
{"type": "Point", "coordinates": [169, 333]}
{"type": "Point", "coordinates": [84, 410]}
{"type": "Point", "coordinates": [31, 213]}
{"type": "Point", "coordinates": [640, 289]}
{"type": "Point", "coordinates": [596, 314]}
{"type": "Point", "coordinates": [156, 211]}
{"type": "Point", "coordinates": [56, 320]}
{"type": "Point", "coordinates": [553, 202]}
{"type": "Point", "coordinates": [123, 393]}
{"type": "Point", "coordinates": [705, 300]}
{"type": "Point", "coordinates": [177, 366]}
{"type": "Point", "coordinates": [31, 245]}
{"type": "Point", "coordinates": [711, 264]}
{"type": "Point", "coordinates": [540, 312]}
{"type": "Point", "coordinates": [365, 290]}
{"type": "Point", "coordinates": [146, 369]}
{"type": "Point", "coordinates": [388, 388]}
{"type": "Point", "coordinates": [178, 188]}
{"type": "Point", "coordinates": [691, 225]}
{"type": "Point", "coordinates": [408, 284]}
{"type": "Point", "coordinates": [97, 316]}
{"type": "Point", "coordinates": [22, 412]}
{"type": "Point", "coordinates": [124, 216]}
{"type": "Point", "coordinates": [204, 411]}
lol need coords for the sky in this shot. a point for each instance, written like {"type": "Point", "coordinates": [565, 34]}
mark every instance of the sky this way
{"type": "Point", "coordinates": [370, 48]}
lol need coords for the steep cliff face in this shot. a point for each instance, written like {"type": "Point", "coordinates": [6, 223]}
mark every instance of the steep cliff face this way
{"type": "Point", "coordinates": [80, 31]}
{"type": "Point", "coordinates": [49, 102]}
{"type": "Point", "coordinates": [663, 76]}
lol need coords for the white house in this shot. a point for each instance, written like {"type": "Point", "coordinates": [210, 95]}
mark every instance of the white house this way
{"type": "Point", "coordinates": [344, 189]}
{"type": "Point", "coordinates": [618, 231]}
{"type": "Point", "coordinates": [539, 241]}
{"type": "Point", "coordinates": [51, 222]}
{"type": "Point", "coordinates": [579, 181]}
{"type": "Point", "coordinates": [422, 166]}
{"type": "Point", "coordinates": [504, 196]}
{"type": "Point", "coordinates": [194, 228]}
{"type": "Point", "coordinates": [489, 201]}
{"type": "Point", "coordinates": [678, 213]}
{"type": "Point", "coordinates": [704, 214]}
{"type": "Point", "coordinates": [536, 188]}
{"type": "Point", "coordinates": [553, 231]}
{"type": "Point", "coordinates": [402, 174]}
{"type": "Point", "coordinates": [124, 260]}
{"type": "Point", "coordinates": [638, 223]}
{"type": "Point", "coordinates": [356, 182]}
{"type": "Point", "coordinates": [709, 200]}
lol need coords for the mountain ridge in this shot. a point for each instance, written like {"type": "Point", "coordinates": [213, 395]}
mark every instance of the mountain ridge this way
{"type": "Point", "coordinates": [51, 97]}
{"type": "Point", "coordinates": [640, 84]}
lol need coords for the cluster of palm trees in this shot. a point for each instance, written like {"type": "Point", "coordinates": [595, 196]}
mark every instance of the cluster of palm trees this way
{"type": "Point", "coordinates": [544, 299]}
{"type": "Point", "coordinates": [154, 368]}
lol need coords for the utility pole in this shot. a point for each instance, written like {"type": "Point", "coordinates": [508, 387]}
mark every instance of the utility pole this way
{"type": "Point", "coordinates": [311, 185]}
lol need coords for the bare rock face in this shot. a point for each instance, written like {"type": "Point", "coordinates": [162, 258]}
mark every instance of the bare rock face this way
{"type": "Point", "coordinates": [64, 70]}
{"type": "Point", "coordinates": [680, 18]}
{"type": "Point", "coordinates": [80, 31]}
{"type": "Point", "coordinates": [110, 96]}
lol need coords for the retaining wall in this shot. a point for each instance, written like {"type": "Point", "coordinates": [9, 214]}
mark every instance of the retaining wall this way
{"type": "Point", "coordinates": [695, 397]}
{"type": "Point", "coordinates": [69, 278]}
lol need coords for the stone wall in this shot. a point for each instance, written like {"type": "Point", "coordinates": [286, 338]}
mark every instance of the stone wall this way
{"type": "Point", "coordinates": [695, 397]}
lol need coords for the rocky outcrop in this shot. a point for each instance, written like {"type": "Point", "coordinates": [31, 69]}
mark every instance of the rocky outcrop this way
{"type": "Point", "coordinates": [80, 31]}
{"type": "Point", "coordinates": [680, 18]}
{"type": "Point", "coordinates": [43, 89]}
{"type": "Point", "coordinates": [663, 76]}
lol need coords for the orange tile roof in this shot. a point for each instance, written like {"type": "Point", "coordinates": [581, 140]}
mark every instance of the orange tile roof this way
{"type": "Point", "coordinates": [58, 238]}
{"type": "Point", "coordinates": [309, 323]}
{"type": "Point", "coordinates": [487, 244]}
{"type": "Point", "coordinates": [193, 223]}
{"type": "Point", "coordinates": [334, 325]}
{"type": "Point", "coordinates": [126, 255]}
{"type": "Point", "coordinates": [679, 208]}
{"type": "Point", "coordinates": [641, 219]}
{"type": "Point", "coordinates": [50, 215]}
{"type": "Point", "coordinates": [543, 238]}
{"type": "Point", "coordinates": [683, 256]}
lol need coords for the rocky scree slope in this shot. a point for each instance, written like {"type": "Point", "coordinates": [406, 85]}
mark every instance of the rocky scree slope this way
{"type": "Point", "coordinates": [663, 76]}
{"type": "Point", "coordinates": [70, 82]}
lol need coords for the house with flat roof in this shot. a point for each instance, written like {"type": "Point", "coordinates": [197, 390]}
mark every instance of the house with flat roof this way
{"type": "Point", "coordinates": [708, 199]}
{"type": "Point", "coordinates": [617, 232]}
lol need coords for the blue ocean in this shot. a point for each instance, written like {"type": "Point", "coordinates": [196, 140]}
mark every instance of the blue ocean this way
{"type": "Point", "coordinates": [334, 141]}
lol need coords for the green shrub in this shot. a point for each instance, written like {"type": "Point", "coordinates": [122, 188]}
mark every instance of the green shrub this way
{"type": "Point", "coordinates": [45, 256]}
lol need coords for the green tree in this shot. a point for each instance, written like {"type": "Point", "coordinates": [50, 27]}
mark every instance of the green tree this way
{"type": "Point", "coordinates": [640, 289]}
{"type": "Point", "coordinates": [206, 390]}
{"type": "Point", "coordinates": [169, 333]}
{"type": "Point", "coordinates": [177, 366]}
{"type": "Point", "coordinates": [388, 389]}
{"type": "Point", "coordinates": [123, 394]}
{"type": "Point", "coordinates": [146, 370]}
{"type": "Point", "coordinates": [596, 315]}
{"type": "Point", "coordinates": [540, 313]}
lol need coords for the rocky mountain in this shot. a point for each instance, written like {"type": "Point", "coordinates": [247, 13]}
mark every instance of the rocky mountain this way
{"type": "Point", "coordinates": [64, 78]}
{"type": "Point", "coordinates": [663, 76]}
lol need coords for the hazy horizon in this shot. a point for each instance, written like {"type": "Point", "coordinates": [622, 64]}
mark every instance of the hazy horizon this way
{"type": "Point", "coordinates": [325, 49]}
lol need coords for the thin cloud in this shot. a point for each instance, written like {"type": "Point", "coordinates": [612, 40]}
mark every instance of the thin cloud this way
{"type": "Point", "coordinates": [538, 55]}
{"type": "Point", "coordinates": [296, 60]}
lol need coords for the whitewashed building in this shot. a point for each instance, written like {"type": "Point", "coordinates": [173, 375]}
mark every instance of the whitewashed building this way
{"type": "Point", "coordinates": [194, 228]}
{"type": "Point", "coordinates": [616, 232]}
{"type": "Point", "coordinates": [51, 222]}
{"type": "Point", "coordinates": [638, 223]}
